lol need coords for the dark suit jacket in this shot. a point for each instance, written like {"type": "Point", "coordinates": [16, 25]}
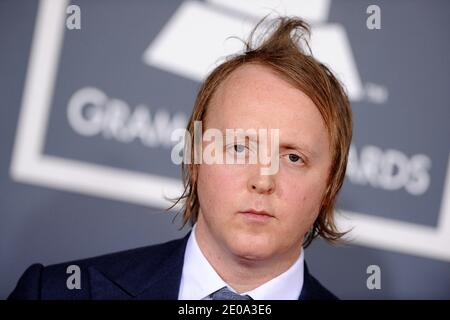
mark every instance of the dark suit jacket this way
{"type": "Point", "coordinates": [152, 272]}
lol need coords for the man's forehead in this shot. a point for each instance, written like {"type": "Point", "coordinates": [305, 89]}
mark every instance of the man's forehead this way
{"type": "Point", "coordinates": [253, 81]}
{"type": "Point", "coordinates": [255, 90]}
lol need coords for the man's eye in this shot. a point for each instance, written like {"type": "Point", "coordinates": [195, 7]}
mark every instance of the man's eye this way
{"type": "Point", "coordinates": [294, 158]}
{"type": "Point", "coordinates": [239, 148]}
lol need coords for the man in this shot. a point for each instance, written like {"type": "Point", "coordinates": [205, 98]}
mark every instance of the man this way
{"type": "Point", "coordinates": [248, 226]}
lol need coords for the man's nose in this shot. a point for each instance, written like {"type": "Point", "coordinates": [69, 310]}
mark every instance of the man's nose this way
{"type": "Point", "coordinates": [264, 184]}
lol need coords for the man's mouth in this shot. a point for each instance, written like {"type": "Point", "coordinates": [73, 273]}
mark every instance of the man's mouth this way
{"type": "Point", "coordinates": [257, 214]}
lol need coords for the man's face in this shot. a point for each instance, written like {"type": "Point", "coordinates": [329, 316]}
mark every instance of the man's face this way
{"type": "Point", "coordinates": [255, 97]}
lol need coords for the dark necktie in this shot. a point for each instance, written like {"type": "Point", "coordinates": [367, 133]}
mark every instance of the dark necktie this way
{"type": "Point", "coordinates": [226, 294]}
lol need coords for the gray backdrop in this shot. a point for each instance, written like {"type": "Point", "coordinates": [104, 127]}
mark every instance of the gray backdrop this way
{"type": "Point", "coordinates": [62, 200]}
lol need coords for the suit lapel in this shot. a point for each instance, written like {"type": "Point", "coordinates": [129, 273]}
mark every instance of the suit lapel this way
{"type": "Point", "coordinates": [154, 274]}
{"type": "Point", "coordinates": [312, 289]}
{"type": "Point", "coordinates": [308, 287]}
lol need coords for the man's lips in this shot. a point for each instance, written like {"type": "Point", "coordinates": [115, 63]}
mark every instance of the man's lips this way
{"type": "Point", "coordinates": [260, 213]}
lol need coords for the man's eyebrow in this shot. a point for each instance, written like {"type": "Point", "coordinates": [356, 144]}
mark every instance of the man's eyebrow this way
{"type": "Point", "coordinates": [307, 150]}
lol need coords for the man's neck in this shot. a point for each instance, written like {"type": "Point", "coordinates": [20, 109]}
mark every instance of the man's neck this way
{"type": "Point", "coordinates": [240, 273]}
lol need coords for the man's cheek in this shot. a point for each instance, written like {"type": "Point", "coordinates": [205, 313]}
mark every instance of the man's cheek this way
{"type": "Point", "coordinates": [301, 200]}
{"type": "Point", "coordinates": [228, 179]}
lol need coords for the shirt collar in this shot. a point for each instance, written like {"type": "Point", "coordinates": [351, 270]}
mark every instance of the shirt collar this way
{"type": "Point", "coordinates": [199, 279]}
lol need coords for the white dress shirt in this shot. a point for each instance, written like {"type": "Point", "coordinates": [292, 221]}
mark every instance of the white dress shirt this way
{"type": "Point", "coordinates": [199, 279]}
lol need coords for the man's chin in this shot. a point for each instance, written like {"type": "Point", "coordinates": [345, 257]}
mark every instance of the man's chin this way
{"type": "Point", "coordinates": [251, 250]}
